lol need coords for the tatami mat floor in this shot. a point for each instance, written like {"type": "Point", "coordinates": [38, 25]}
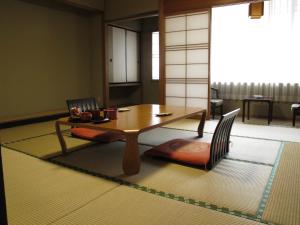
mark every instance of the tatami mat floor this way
{"type": "Point", "coordinates": [240, 186]}
{"type": "Point", "coordinates": [39, 192]}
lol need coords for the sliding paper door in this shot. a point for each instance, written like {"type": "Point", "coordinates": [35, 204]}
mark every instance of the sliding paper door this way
{"type": "Point", "coordinates": [187, 59]}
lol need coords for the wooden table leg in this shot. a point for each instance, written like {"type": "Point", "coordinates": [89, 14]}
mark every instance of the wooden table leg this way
{"type": "Point", "coordinates": [60, 138]}
{"type": "Point", "coordinates": [270, 113]}
{"type": "Point", "coordinates": [244, 105]}
{"type": "Point", "coordinates": [201, 124]}
{"type": "Point", "coordinates": [248, 111]}
{"type": "Point", "coordinates": [131, 159]}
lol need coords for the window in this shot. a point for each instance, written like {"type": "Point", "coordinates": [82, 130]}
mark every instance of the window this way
{"type": "Point", "coordinates": [265, 50]}
{"type": "Point", "coordinates": [155, 55]}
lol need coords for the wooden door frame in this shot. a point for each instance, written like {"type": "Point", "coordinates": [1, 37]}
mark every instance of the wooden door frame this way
{"type": "Point", "coordinates": [105, 51]}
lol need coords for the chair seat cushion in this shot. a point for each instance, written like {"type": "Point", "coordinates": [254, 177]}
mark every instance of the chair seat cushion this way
{"type": "Point", "coordinates": [190, 152]}
{"type": "Point", "coordinates": [95, 135]}
{"type": "Point", "coordinates": [216, 102]}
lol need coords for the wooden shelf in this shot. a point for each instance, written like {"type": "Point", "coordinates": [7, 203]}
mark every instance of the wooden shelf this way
{"type": "Point", "coordinates": [124, 84]}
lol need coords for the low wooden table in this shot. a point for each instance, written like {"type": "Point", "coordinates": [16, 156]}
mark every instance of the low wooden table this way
{"type": "Point", "coordinates": [131, 123]}
{"type": "Point", "coordinates": [262, 99]}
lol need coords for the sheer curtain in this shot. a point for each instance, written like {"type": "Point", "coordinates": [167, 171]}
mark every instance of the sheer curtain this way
{"type": "Point", "coordinates": [265, 50]}
{"type": "Point", "coordinates": [259, 56]}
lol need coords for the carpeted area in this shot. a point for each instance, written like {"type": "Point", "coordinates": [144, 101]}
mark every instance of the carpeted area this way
{"type": "Point", "coordinates": [40, 193]}
{"type": "Point", "coordinates": [244, 149]}
{"type": "Point", "coordinates": [258, 131]}
{"type": "Point", "coordinates": [47, 194]}
{"type": "Point", "coordinates": [241, 148]}
{"type": "Point", "coordinates": [231, 184]}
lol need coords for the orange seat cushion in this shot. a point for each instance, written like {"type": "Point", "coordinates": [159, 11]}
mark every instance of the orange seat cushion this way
{"type": "Point", "coordinates": [191, 152]}
{"type": "Point", "coordinates": [95, 135]}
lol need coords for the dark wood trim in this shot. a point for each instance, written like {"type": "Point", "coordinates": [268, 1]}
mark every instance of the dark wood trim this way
{"type": "Point", "coordinates": [85, 7]}
{"type": "Point", "coordinates": [106, 66]}
{"type": "Point", "coordinates": [185, 6]}
{"type": "Point", "coordinates": [125, 84]}
{"type": "Point", "coordinates": [162, 76]}
{"type": "Point", "coordinates": [125, 28]}
{"type": "Point", "coordinates": [3, 212]}
{"type": "Point", "coordinates": [135, 17]}
{"type": "Point", "coordinates": [37, 119]}
{"type": "Point", "coordinates": [188, 11]}
{"type": "Point", "coordinates": [64, 6]}
{"type": "Point", "coordinates": [209, 66]}
{"type": "Point", "coordinates": [140, 58]}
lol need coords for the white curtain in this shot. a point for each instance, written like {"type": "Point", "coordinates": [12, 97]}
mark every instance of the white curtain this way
{"type": "Point", "coordinates": [265, 50]}
{"type": "Point", "coordinates": [279, 92]}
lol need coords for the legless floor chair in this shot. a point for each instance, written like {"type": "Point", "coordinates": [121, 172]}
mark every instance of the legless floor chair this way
{"type": "Point", "coordinates": [86, 104]}
{"type": "Point", "coordinates": [198, 153]}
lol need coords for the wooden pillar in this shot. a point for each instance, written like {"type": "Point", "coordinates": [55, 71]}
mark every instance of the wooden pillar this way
{"type": "Point", "coordinates": [3, 213]}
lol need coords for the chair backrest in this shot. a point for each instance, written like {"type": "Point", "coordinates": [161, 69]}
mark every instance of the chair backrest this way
{"type": "Point", "coordinates": [220, 142]}
{"type": "Point", "coordinates": [214, 93]}
{"type": "Point", "coordinates": [84, 103]}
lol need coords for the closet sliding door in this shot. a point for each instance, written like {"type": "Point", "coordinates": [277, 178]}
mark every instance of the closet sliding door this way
{"type": "Point", "coordinates": [132, 56]}
{"type": "Point", "coordinates": [117, 57]}
{"type": "Point", "coordinates": [186, 63]}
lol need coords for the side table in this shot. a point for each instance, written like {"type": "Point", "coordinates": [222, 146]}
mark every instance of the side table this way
{"type": "Point", "coordinates": [268, 100]}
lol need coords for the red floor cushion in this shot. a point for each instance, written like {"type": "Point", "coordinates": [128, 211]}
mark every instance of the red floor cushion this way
{"type": "Point", "coordinates": [95, 135]}
{"type": "Point", "coordinates": [191, 152]}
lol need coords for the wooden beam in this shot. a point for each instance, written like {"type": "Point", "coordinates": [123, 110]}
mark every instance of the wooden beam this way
{"type": "Point", "coordinates": [162, 77]}
{"type": "Point", "coordinates": [176, 6]}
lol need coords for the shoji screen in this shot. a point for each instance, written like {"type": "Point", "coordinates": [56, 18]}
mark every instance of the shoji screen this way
{"type": "Point", "coordinates": [187, 59]}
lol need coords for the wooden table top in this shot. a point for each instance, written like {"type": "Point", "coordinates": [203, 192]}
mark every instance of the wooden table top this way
{"type": "Point", "coordinates": [140, 118]}
{"type": "Point", "coordinates": [263, 98]}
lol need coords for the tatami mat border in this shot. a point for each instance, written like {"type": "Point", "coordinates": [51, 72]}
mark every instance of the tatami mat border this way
{"type": "Point", "coordinates": [266, 193]}
{"type": "Point", "coordinates": [167, 195]}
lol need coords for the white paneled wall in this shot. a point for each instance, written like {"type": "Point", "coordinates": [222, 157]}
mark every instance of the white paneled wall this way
{"type": "Point", "coordinates": [187, 59]}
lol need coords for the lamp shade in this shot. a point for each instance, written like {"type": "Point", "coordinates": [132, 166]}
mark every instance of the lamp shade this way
{"type": "Point", "coordinates": [256, 10]}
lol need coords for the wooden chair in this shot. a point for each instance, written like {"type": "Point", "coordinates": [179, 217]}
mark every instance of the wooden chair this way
{"type": "Point", "coordinates": [296, 111]}
{"type": "Point", "coordinates": [84, 103]}
{"type": "Point", "coordinates": [3, 212]}
{"type": "Point", "coordinates": [199, 153]}
{"type": "Point", "coordinates": [215, 102]}
{"type": "Point", "coordinates": [90, 134]}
